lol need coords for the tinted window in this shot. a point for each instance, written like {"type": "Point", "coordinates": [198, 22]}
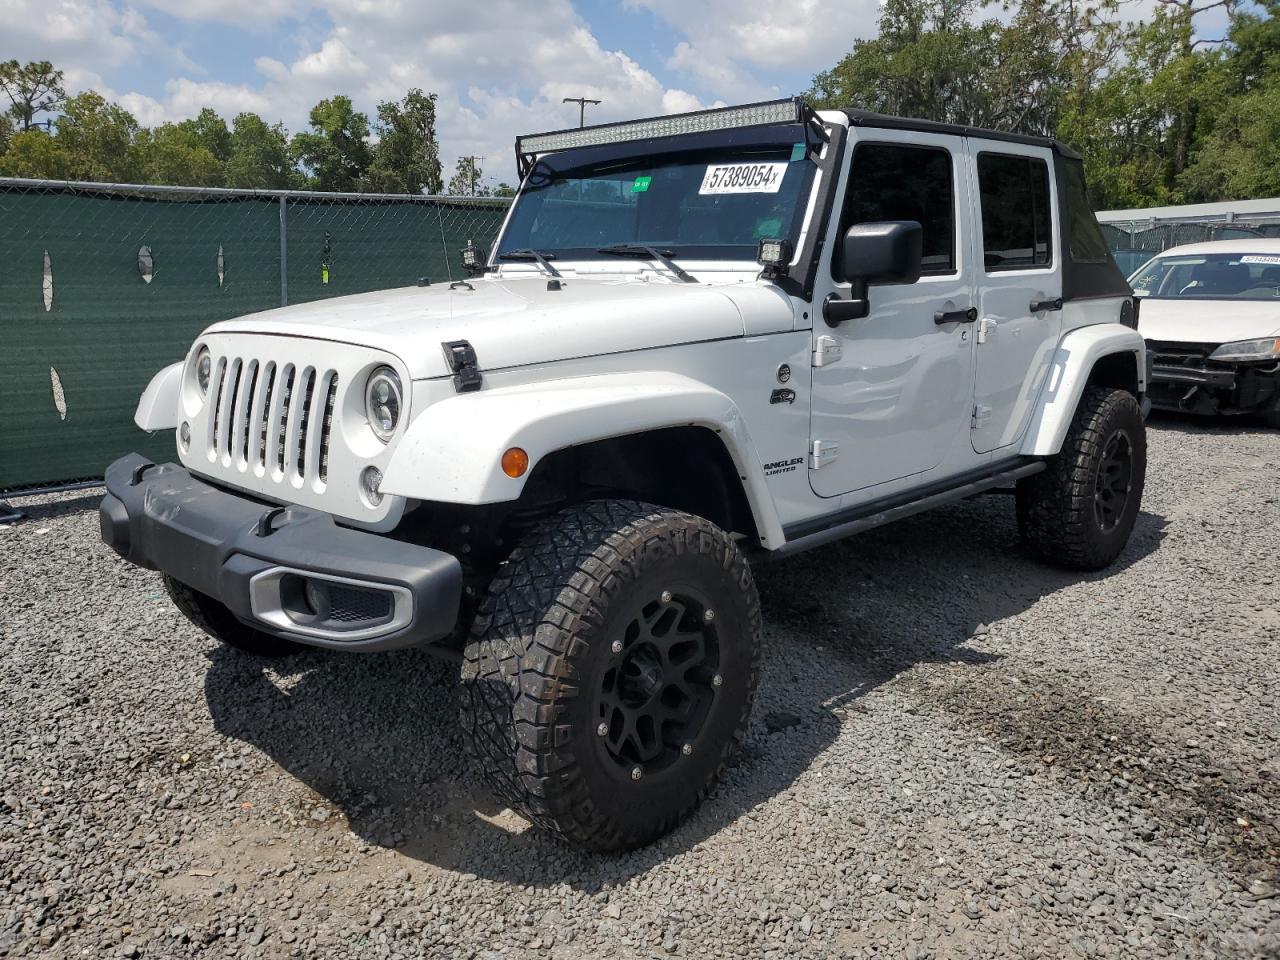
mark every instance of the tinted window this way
{"type": "Point", "coordinates": [889, 182]}
{"type": "Point", "coordinates": [1085, 242]}
{"type": "Point", "coordinates": [1014, 194]}
{"type": "Point", "coordinates": [713, 203]}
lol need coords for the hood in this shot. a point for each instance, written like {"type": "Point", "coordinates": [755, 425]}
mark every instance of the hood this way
{"type": "Point", "coordinates": [1208, 321]}
{"type": "Point", "coordinates": [518, 321]}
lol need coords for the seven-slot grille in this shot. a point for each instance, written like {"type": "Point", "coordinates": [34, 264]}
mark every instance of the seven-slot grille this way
{"type": "Point", "coordinates": [274, 418]}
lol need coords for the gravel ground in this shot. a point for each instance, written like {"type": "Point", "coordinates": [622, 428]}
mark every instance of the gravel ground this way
{"type": "Point", "coordinates": [956, 752]}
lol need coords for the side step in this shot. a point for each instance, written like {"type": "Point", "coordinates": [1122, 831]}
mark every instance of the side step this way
{"type": "Point", "coordinates": [818, 533]}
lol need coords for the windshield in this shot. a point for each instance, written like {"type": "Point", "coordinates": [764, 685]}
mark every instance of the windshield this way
{"type": "Point", "coordinates": [1216, 276]}
{"type": "Point", "coordinates": [706, 201]}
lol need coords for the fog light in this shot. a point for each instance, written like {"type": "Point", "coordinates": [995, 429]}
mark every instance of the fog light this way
{"type": "Point", "coordinates": [472, 258]}
{"type": "Point", "coordinates": [773, 254]}
{"type": "Point", "coordinates": [370, 481]}
{"type": "Point", "coordinates": [184, 436]}
{"type": "Point", "coordinates": [515, 462]}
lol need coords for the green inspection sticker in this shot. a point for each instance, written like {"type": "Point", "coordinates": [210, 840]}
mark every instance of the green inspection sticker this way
{"type": "Point", "coordinates": [797, 152]}
{"type": "Point", "coordinates": [641, 184]}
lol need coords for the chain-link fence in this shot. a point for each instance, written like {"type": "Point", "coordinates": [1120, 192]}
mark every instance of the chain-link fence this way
{"type": "Point", "coordinates": [1135, 242]}
{"type": "Point", "coordinates": [102, 285]}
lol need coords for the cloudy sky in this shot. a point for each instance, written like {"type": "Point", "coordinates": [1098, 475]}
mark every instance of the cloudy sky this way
{"type": "Point", "coordinates": [500, 67]}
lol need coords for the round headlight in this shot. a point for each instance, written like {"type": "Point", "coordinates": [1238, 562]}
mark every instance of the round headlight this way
{"type": "Point", "coordinates": [383, 402]}
{"type": "Point", "coordinates": [204, 367]}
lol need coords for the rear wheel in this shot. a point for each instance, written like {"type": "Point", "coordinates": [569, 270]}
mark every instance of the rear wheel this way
{"type": "Point", "coordinates": [1080, 511]}
{"type": "Point", "coordinates": [218, 622]}
{"type": "Point", "coordinates": [610, 671]}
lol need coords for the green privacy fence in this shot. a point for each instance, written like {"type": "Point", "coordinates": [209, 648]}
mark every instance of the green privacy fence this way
{"type": "Point", "coordinates": [102, 285]}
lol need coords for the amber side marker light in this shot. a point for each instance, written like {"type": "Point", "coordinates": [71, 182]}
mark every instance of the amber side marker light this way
{"type": "Point", "coordinates": [515, 462]}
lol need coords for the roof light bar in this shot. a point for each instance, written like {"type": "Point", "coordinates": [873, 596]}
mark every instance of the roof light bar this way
{"type": "Point", "coordinates": [721, 118]}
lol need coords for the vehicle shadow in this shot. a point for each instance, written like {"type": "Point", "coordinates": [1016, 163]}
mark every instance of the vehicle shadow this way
{"type": "Point", "coordinates": [376, 735]}
{"type": "Point", "coordinates": [1199, 423]}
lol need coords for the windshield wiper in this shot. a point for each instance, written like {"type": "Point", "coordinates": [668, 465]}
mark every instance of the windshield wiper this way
{"type": "Point", "coordinates": [649, 253]}
{"type": "Point", "coordinates": [543, 259]}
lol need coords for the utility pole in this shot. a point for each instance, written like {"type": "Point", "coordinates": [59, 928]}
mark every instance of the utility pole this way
{"type": "Point", "coordinates": [582, 107]}
{"type": "Point", "coordinates": [471, 160]}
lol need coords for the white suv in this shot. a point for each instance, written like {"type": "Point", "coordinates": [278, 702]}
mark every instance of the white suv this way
{"type": "Point", "coordinates": [700, 339]}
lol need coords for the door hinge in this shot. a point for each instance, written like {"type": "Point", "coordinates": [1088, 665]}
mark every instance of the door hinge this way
{"type": "Point", "coordinates": [981, 414]}
{"type": "Point", "coordinates": [987, 329]}
{"type": "Point", "coordinates": [822, 453]}
{"type": "Point", "coordinates": [826, 350]}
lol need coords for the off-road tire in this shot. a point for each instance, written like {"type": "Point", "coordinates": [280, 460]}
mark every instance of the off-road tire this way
{"type": "Point", "coordinates": [1057, 512]}
{"type": "Point", "coordinates": [549, 631]}
{"type": "Point", "coordinates": [220, 623]}
{"type": "Point", "coordinates": [1272, 418]}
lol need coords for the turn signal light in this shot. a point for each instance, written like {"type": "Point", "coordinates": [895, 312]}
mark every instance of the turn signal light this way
{"type": "Point", "coordinates": [515, 462]}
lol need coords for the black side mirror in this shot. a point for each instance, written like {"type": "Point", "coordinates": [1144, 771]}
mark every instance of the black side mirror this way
{"type": "Point", "coordinates": [885, 252]}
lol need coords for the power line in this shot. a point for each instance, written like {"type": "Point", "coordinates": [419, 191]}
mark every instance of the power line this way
{"type": "Point", "coordinates": [582, 107]}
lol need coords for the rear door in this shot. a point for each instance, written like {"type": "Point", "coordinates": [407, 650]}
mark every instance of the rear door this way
{"type": "Point", "coordinates": [894, 398]}
{"type": "Point", "coordinates": [1020, 289]}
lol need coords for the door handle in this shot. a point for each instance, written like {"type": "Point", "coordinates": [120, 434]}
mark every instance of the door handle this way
{"type": "Point", "coordinates": [1054, 304]}
{"type": "Point", "coordinates": [956, 316]}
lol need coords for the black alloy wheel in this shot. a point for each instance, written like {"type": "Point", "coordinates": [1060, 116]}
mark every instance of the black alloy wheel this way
{"type": "Point", "coordinates": [655, 696]}
{"type": "Point", "coordinates": [1115, 481]}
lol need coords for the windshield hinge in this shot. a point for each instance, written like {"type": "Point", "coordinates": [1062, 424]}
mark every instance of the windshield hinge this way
{"type": "Point", "coordinates": [826, 350]}
{"type": "Point", "coordinates": [461, 358]}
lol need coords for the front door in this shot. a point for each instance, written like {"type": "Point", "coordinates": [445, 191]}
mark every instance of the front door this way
{"type": "Point", "coordinates": [898, 395]}
{"type": "Point", "coordinates": [1019, 306]}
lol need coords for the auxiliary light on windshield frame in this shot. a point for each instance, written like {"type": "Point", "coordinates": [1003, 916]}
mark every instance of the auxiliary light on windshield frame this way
{"type": "Point", "coordinates": [793, 110]}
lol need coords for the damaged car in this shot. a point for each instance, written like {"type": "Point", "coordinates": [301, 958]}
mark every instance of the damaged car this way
{"type": "Point", "coordinates": [1210, 313]}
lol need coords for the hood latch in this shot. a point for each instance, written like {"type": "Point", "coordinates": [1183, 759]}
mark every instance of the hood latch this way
{"type": "Point", "coordinates": [461, 358]}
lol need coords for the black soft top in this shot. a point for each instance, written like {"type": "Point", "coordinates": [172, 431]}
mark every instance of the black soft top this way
{"type": "Point", "coordinates": [867, 118]}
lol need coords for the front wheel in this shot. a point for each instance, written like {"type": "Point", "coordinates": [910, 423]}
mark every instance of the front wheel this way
{"type": "Point", "coordinates": [1080, 510]}
{"type": "Point", "coordinates": [610, 671]}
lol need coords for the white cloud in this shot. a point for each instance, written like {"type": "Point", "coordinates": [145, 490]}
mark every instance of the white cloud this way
{"type": "Point", "coordinates": [727, 42]}
{"type": "Point", "coordinates": [498, 73]}
{"type": "Point", "coordinates": [252, 15]}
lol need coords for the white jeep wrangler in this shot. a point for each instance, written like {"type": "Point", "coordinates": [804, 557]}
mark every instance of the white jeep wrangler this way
{"type": "Point", "coordinates": [700, 339]}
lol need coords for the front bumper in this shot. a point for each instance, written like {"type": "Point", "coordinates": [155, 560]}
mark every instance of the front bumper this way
{"type": "Point", "coordinates": [1229, 389]}
{"type": "Point", "coordinates": [257, 560]}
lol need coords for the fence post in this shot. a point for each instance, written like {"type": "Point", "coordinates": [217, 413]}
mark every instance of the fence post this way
{"type": "Point", "coordinates": [284, 252]}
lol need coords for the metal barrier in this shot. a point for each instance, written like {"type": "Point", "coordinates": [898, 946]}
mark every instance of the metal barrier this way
{"type": "Point", "coordinates": [101, 285]}
{"type": "Point", "coordinates": [1134, 242]}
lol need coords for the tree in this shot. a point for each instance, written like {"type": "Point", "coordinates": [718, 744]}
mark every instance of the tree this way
{"type": "Point", "coordinates": [336, 150]}
{"type": "Point", "coordinates": [406, 158]}
{"type": "Point", "coordinates": [504, 189]}
{"type": "Point", "coordinates": [259, 156]}
{"type": "Point", "coordinates": [31, 89]}
{"type": "Point", "coordinates": [97, 140]}
{"type": "Point", "coordinates": [210, 131]}
{"type": "Point", "coordinates": [466, 178]}
{"type": "Point", "coordinates": [176, 155]}
{"type": "Point", "coordinates": [34, 153]}
{"type": "Point", "coordinates": [6, 133]}
{"type": "Point", "coordinates": [1236, 153]}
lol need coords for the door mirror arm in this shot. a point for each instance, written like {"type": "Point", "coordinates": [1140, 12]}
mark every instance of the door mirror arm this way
{"type": "Point", "coordinates": [836, 311]}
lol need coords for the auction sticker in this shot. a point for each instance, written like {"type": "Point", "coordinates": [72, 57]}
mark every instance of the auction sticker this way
{"type": "Point", "coordinates": [743, 178]}
{"type": "Point", "coordinates": [1259, 258]}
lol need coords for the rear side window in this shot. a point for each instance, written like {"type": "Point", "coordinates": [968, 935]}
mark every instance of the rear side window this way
{"type": "Point", "coordinates": [892, 182]}
{"type": "Point", "coordinates": [1085, 242]}
{"type": "Point", "coordinates": [1016, 225]}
